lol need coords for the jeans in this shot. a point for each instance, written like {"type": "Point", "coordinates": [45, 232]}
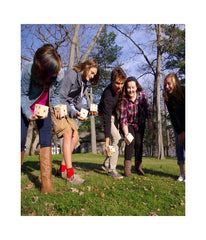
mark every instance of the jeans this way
{"type": "Point", "coordinates": [179, 150]}
{"type": "Point", "coordinates": [44, 128]}
{"type": "Point", "coordinates": [111, 162]}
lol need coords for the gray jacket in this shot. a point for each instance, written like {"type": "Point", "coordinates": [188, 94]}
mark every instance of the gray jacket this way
{"type": "Point", "coordinates": [72, 91]}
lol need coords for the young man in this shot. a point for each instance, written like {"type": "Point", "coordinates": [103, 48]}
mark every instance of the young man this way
{"type": "Point", "coordinates": [107, 113]}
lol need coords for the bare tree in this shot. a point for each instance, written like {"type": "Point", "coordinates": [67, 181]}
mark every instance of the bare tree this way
{"type": "Point", "coordinates": [156, 90]}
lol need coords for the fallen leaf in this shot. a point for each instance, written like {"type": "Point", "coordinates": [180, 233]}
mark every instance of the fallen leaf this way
{"type": "Point", "coordinates": [145, 189]}
{"type": "Point", "coordinates": [29, 186]}
{"type": "Point", "coordinates": [74, 190]}
{"type": "Point", "coordinates": [89, 188]}
{"type": "Point", "coordinates": [81, 193]}
{"type": "Point", "coordinates": [182, 203]}
{"type": "Point", "coordinates": [102, 195]}
{"type": "Point", "coordinates": [35, 199]}
{"type": "Point", "coordinates": [96, 189]}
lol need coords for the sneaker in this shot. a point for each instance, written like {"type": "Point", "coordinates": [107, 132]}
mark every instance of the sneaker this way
{"type": "Point", "coordinates": [181, 178]}
{"type": "Point", "coordinates": [115, 174]}
{"type": "Point", "coordinates": [75, 180]}
{"type": "Point", "coordinates": [105, 168]}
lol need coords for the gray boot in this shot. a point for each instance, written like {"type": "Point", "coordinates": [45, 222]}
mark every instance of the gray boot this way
{"type": "Point", "coordinates": [127, 168]}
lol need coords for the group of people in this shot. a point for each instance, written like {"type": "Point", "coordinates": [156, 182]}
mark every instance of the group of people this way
{"type": "Point", "coordinates": [44, 82]}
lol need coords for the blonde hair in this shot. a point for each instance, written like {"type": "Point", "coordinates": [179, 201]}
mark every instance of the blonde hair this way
{"type": "Point", "coordinates": [177, 92]}
{"type": "Point", "coordinates": [85, 67]}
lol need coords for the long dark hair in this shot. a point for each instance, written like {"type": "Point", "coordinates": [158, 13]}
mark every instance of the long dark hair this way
{"type": "Point", "coordinates": [46, 63]}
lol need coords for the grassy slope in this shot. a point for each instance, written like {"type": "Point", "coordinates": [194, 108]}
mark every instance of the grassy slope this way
{"type": "Point", "coordinates": [156, 193]}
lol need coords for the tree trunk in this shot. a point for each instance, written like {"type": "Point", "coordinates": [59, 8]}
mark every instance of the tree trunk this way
{"type": "Point", "coordinates": [159, 121]}
{"type": "Point", "coordinates": [73, 46]}
{"type": "Point", "coordinates": [92, 123]}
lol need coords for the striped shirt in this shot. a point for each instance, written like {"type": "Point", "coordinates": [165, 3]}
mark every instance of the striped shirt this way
{"type": "Point", "coordinates": [135, 113]}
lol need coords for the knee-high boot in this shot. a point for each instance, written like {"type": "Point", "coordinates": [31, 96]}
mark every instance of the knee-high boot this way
{"type": "Point", "coordinates": [127, 168]}
{"type": "Point", "coordinates": [138, 167]}
{"type": "Point", "coordinates": [46, 169]}
{"type": "Point", "coordinates": [22, 157]}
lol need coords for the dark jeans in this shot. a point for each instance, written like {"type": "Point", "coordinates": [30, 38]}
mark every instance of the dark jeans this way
{"type": "Point", "coordinates": [44, 128]}
{"type": "Point", "coordinates": [136, 144]}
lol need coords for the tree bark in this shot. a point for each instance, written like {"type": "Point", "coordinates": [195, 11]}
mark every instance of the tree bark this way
{"type": "Point", "coordinates": [159, 121]}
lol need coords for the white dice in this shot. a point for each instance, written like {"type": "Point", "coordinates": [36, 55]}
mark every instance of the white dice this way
{"type": "Point", "coordinates": [129, 138]}
{"type": "Point", "coordinates": [111, 151]}
{"type": "Point", "coordinates": [41, 110]}
{"type": "Point", "coordinates": [93, 107]}
{"type": "Point", "coordinates": [84, 113]}
{"type": "Point", "coordinates": [61, 109]}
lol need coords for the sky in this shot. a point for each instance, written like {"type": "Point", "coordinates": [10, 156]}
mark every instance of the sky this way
{"type": "Point", "coordinates": [14, 13]}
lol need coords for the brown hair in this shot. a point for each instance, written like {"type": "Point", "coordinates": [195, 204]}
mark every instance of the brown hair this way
{"type": "Point", "coordinates": [85, 67]}
{"type": "Point", "coordinates": [118, 72]}
{"type": "Point", "coordinates": [46, 63]}
{"type": "Point", "coordinates": [177, 92]}
{"type": "Point", "coordinates": [124, 94]}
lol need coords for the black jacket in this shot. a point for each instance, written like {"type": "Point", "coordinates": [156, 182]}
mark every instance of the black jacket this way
{"type": "Point", "coordinates": [176, 109]}
{"type": "Point", "coordinates": [107, 108]}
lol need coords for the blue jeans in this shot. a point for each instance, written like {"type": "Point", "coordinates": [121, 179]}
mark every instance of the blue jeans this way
{"type": "Point", "coordinates": [179, 151]}
{"type": "Point", "coordinates": [44, 128]}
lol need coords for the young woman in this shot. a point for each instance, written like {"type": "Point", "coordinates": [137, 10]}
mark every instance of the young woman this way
{"type": "Point", "coordinates": [134, 109]}
{"type": "Point", "coordinates": [72, 91]}
{"type": "Point", "coordinates": [174, 96]}
{"type": "Point", "coordinates": [40, 84]}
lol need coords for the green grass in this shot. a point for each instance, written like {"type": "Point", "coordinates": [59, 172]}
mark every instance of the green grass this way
{"type": "Point", "coordinates": [156, 193]}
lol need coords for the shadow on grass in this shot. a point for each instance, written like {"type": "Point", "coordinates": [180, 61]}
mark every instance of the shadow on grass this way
{"type": "Point", "coordinates": [159, 173]}
{"type": "Point", "coordinates": [30, 166]}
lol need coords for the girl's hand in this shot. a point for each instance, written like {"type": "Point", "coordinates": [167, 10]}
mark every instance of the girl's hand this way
{"type": "Point", "coordinates": [58, 115]}
{"type": "Point", "coordinates": [92, 113]}
{"type": "Point", "coordinates": [79, 117]}
{"type": "Point", "coordinates": [33, 117]}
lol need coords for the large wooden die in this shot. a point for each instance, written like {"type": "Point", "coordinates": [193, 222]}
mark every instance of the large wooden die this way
{"type": "Point", "coordinates": [129, 138]}
{"type": "Point", "coordinates": [61, 109]}
{"type": "Point", "coordinates": [84, 113]}
{"type": "Point", "coordinates": [41, 110]}
{"type": "Point", "coordinates": [93, 107]}
{"type": "Point", "coordinates": [111, 151]}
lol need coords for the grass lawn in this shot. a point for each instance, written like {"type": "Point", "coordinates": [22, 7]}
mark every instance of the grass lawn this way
{"type": "Point", "coordinates": [155, 194]}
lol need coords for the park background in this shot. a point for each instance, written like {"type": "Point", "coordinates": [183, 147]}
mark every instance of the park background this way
{"type": "Point", "coordinates": [146, 51]}
{"type": "Point", "coordinates": [178, 12]}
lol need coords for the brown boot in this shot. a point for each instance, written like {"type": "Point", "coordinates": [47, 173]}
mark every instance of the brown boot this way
{"type": "Point", "coordinates": [46, 169]}
{"type": "Point", "coordinates": [22, 157]}
{"type": "Point", "coordinates": [138, 167]}
{"type": "Point", "coordinates": [127, 168]}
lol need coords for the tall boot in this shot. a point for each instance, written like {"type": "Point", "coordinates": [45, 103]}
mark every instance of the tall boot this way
{"type": "Point", "coordinates": [22, 157]}
{"type": "Point", "coordinates": [46, 169]}
{"type": "Point", "coordinates": [127, 168]}
{"type": "Point", "coordinates": [138, 167]}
